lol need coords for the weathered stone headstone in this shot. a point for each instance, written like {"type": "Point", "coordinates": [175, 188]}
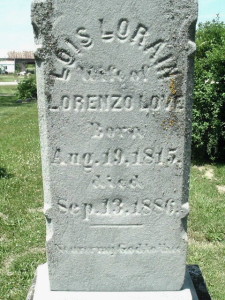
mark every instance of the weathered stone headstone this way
{"type": "Point", "coordinates": [114, 88]}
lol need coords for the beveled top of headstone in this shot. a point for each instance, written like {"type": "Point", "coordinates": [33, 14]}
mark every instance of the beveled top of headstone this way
{"type": "Point", "coordinates": [114, 86]}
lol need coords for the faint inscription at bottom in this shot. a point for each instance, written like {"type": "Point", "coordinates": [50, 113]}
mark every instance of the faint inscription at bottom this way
{"type": "Point", "coordinates": [121, 249]}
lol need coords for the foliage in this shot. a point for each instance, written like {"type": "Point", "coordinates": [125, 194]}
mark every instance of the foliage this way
{"type": "Point", "coordinates": [22, 224]}
{"type": "Point", "coordinates": [207, 225]}
{"type": "Point", "coordinates": [209, 93]}
{"type": "Point", "coordinates": [27, 88]}
{"type": "Point", "coordinates": [18, 68]}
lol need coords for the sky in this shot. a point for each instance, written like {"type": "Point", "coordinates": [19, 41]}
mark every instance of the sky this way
{"type": "Point", "coordinates": [16, 32]}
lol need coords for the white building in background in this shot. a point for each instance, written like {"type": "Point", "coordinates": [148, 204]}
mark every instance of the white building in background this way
{"type": "Point", "coordinates": [8, 65]}
{"type": "Point", "coordinates": [13, 58]}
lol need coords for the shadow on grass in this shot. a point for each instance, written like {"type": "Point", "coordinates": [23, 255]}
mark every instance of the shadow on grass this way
{"type": "Point", "coordinates": [200, 161]}
{"type": "Point", "coordinates": [9, 101]}
{"type": "Point", "coordinates": [5, 174]}
{"type": "Point", "coordinates": [200, 157]}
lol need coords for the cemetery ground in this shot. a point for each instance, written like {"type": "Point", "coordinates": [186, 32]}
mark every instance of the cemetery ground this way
{"type": "Point", "coordinates": [22, 224]}
{"type": "Point", "coordinates": [8, 78]}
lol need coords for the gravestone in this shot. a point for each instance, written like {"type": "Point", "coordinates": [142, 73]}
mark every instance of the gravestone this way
{"type": "Point", "coordinates": [115, 84]}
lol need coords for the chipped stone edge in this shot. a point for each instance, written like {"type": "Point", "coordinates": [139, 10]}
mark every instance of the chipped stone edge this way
{"type": "Point", "coordinates": [42, 17]}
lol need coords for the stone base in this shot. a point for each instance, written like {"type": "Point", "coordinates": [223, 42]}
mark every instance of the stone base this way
{"type": "Point", "coordinates": [41, 291]}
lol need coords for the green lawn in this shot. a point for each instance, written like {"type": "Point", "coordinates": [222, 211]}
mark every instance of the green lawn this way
{"type": "Point", "coordinates": [22, 225]}
{"type": "Point", "coordinates": [7, 90]}
{"type": "Point", "coordinates": [8, 77]}
{"type": "Point", "coordinates": [207, 225]}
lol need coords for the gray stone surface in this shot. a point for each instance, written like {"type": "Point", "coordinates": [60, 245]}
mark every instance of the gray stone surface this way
{"type": "Point", "coordinates": [42, 291]}
{"type": "Point", "coordinates": [194, 285]}
{"type": "Point", "coordinates": [114, 88]}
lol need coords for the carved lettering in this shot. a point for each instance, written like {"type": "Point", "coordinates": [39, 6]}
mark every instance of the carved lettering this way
{"type": "Point", "coordinates": [140, 34]}
{"type": "Point", "coordinates": [117, 208]}
{"type": "Point", "coordinates": [107, 182]}
{"type": "Point", "coordinates": [122, 132]}
{"type": "Point", "coordinates": [154, 155]}
{"type": "Point", "coordinates": [117, 103]}
{"type": "Point", "coordinates": [97, 103]}
{"type": "Point", "coordinates": [123, 29]}
{"type": "Point", "coordinates": [159, 53]}
{"type": "Point", "coordinates": [84, 37]}
{"type": "Point", "coordinates": [122, 249]}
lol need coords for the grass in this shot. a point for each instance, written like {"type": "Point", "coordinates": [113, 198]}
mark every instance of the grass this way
{"type": "Point", "coordinates": [22, 225]}
{"type": "Point", "coordinates": [7, 91]}
{"type": "Point", "coordinates": [8, 77]}
{"type": "Point", "coordinates": [207, 226]}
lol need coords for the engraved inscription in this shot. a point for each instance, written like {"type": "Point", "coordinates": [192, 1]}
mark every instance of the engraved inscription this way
{"type": "Point", "coordinates": [93, 103]}
{"type": "Point", "coordinates": [158, 52]}
{"type": "Point", "coordinates": [113, 74]}
{"type": "Point", "coordinates": [119, 103]}
{"type": "Point", "coordinates": [98, 132]}
{"type": "Point", "coordinates": [118, 208]}
{"type": "Point", "coordinates": [67, 54]}
{"type": "Point", "coordinates": [123, 32]}
{"type": "Point", "coordinates": [107, 182]}
{"type": "Point", "coordinates": [148, 156]}
{"type": "Point", "coordinates": [110, 74]}
{"type": "Point", "coordinates": [120, 249]}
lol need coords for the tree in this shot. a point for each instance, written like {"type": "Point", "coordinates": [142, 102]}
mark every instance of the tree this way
{"type": "Point", "coordinates": [209, 94]}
